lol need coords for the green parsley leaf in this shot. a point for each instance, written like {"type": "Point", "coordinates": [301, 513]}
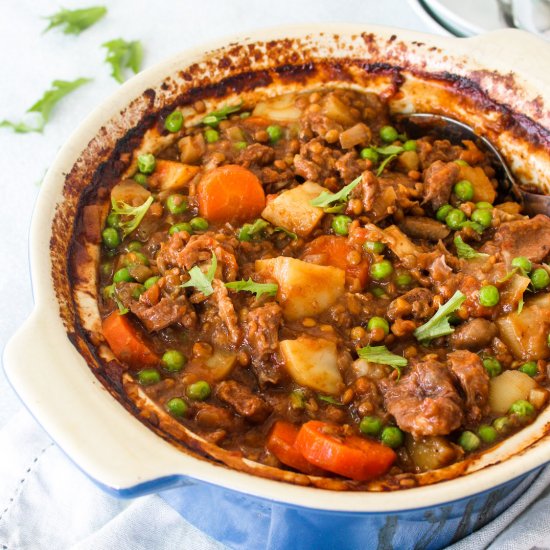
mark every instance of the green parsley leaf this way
{"type": "Point", "coordinates": [134, 214]}
{"type": "Point", "coordinates": [326, 198]}
{"type": "Point", "coordinates": [389, 150]}
{"type": "Point", "coordinates": [122, 54]}
{"type": "Point", "coordinates": [257, 288]}
{"type": "Point", "coordinates": [76, 21]}
{"type": "Point", "coordinates": [508, 275]}
{"type": "Point", "coordinates": [250, 230]}
{"type": "Point", "coordinates": [215, 117]}
{"type": "Point", "coordinates": [520, 305]}
{"type": "Point", "coordinates": [478, 228]}
{"type": "Point", "coordinates": [43, 107]}
{"type": "Point", "coordinates": [384, 163]}
{"type": "Point", "coordinates": [288, 233]}
{"type": "Point", "coordinates": [202, 282]}
{"type": "Point", "coordinates": [110, 292]}
{"type": "Point", "coordinates": [439, 325]}
{"type": "Point", "coordinates": [329, 399]}
{"type": "Point", "coordinates": [466, 251]}
{"type": "Point", "coordinates": [381, 354]}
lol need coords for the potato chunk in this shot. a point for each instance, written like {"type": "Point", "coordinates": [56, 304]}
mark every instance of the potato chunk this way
{"type": "Point", "coordinates": [483, 188]}
{"type": "Point", "coordinates": [525, 333]}
{"type": "Point", "coordinates": [508, 387]}
{"type": "Point", "coordinates": [280, 108]}
{"type": "Point", "coordinates": [305, 289]}
{"type": "Point", "coordinates": [291, 209]}
{"type": "Point", "coordinates": [130, 192]}
{"type": "Point", "coordinates": [313, 362]}
{"type": "Point", "coordinates": [171, 176]}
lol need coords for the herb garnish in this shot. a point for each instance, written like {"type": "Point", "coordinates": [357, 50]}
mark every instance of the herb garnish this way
{"type": "Point", "coordinates": [381, 354]}
{"type": "Point", "coordinates": [439, 325]}
{"type": "Point", "coordinates": [76, 21]}
{"type": "Point", "coordinates": [133, 213]}
{"type": "Point", "coordinates": [202, 282]}
{"type": "Point", "coordinates": [251, 286]}
{"type": "Point", "coordinates": [384, 163]}
{"type": "Point", "coordinates": [466, 251]}
{"type": "Point", "coordinates": [122, 54]}
{"type": "Point", "coordinates": [329, 399]}
{"type": "Point", "coordinates": [325, 198]}
{"type": "Point", "coordinates": [215, 117]}
{"type": "Point", "coordinates": [250, 230]}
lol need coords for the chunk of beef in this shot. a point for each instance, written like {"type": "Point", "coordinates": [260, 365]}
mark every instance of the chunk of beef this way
{"type": "Point", "coordinates": [438, 150]}
{"type": "Point", "coordinates": [421, 227]}
{"type": "Point", "coordinates": [222, 303]}
{"type": "Point", "coordinates": [474, 380]}
{"type": "Point", "coordinates": [439, 179]}
{"type": "Point", "coordinates": [241, 398]}
{"type": "Point", "coordinates": [529, 238]}
{"type": "Point", "coordinates": [211, 417]}
{"type": "Point", "coordinates": [350, 166]}
{"type": "Point", "coordinates": [256, 154]}
{"type": "Point", "coordinates": [307, 168]}
{"type": "Point", "coordinates": [416, 303]}
{"type": "Point", "coordinates": [424, 401]}
{"type": "Point", "coordinates": [474, 335]}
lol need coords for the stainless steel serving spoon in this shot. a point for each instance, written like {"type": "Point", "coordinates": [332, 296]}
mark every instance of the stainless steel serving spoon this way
{"type": "Point", "coordinates": [443, 127]}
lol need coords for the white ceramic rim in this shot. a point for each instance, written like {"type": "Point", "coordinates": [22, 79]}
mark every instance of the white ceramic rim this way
{"type": "Point", "coordinates": [59, 389]}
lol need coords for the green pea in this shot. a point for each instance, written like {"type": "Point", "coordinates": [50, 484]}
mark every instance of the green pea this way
{"type": "Point", "coordinates": [455, 218]}
{"type": "Point", "coordinates": [483, 216]}
{"type": "Point", "coordinates": [374, 246]}
{"type": "Point", "coordinates": [141, 179]}
{"type": "Point", "coordinates": [199, 391]}
{"type": "Point", "coordinates": [522, 408]}
{"type": "Point", "coordinates": [529, 368]}
{"type": "Point", "coordinates": [134, 246]}
{"type": "Point", "coordinates": [381, 270]}
{"type": "Point", "coordinates": [540, 278]}
{"type": "Point", "coordinates": [150, 282]}
{"type": "Point", "coordinates": [340, 225]}
{"type": "Point", "coordinates": [109, 291]}
{"type": "Point", "coordinates": [461, 162]}
{"type": "Point", "coordinates": [122, 276]}
{"type": "Point", "coordinates": [297, 400]}
{"type": "Point", "coordinates": [113, 220]}
{"type": "Point", "coordinates": [403, 280]}
{"type": "Point", "coordinates": [177, 407]}
{"type": "Point", "coordinates": [368, 153]}
{"type": "Point", "coordinates": [388, 134]}
{"type": "Point", "coordinates": [240, 145]}
{"type": "Point", "coordinates": [489, 296]}
{"type": "Point", "coordinates": [135, 258]}
{"type": "Point", "coordinates": [487, 434]}
{"type": "Point", "coordinates": [501, 424]}
{"type": "Point", "coordinates": [378, 292]}
{"type": "Point", "coordinates": [146, 163]}
{"type": "Point", "coordinates": [244, 114]}
{"type": "Point", "coordinates": [137, 291]}
{"type": "Point", "coordinates": [464, 190]}
{"type": "Point", "coordinates": [106, 268]}
{"type": "Point", "coordinates": [370, 425]}
{"type": "Point", "coordinates": [492, 366]}
{"type": "Point", "coordinates": [410, 145]}
{"type": "Point", "coordinates": [442, 212]}
{"type": "Point", "coordinates": [211, 135]}
{"type": "Point", "coordinates": [174, 121]}
{"type": "Point", "coordinates": [199, 224]}
{"type": "Point", "coordinates": [484, 205]}
{"type": "Point", "coordinates": [147, 377]}
{"type": "Point", "coordinates": [522, 263]}
{"type": "Point", "coordinates": [111, 238]}
{"type": "Point", "coordinates": [469, 441]}
{"type": "Point", "coordinates": [176, 204]}
{"type": "Point", "coordinates": [182, 226]}
{"type": "Point", "coordinates": [173, 360]}
{"type": "Point", "coordinates": [392, 437]}
{"type": "Point", "coordinates": [378, 322]}
{"type": "Point", "coordinates": [274, 132]}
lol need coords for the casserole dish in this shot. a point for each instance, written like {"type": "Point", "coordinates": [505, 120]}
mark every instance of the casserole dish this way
{"type": "Point", "coordinates": [464, 79]}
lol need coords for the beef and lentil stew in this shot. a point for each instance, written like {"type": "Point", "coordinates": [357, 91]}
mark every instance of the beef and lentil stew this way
{"type": "Point", "coordinates": [301, 284]}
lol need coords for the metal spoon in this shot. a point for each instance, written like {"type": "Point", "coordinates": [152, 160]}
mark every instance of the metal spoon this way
{"type": "Point", "coordinates": [443, 127]}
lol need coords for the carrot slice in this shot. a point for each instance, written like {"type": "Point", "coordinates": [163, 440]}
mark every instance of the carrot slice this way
{"type": "Point", "coordinates": [230, 193]}
{"type": "Point", "coordinates": [335, 251]}
{"type": "Point", "coordinates": [280, 442]}
{"type": "Point", "coordinates": [126, 342]}
{"type": "Point", "coordinates": [322, 444]}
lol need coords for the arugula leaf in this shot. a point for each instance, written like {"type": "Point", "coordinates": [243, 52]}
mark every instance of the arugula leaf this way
{"type": "Point", "coordinates": [389, 150]}
{"type": "Point", "coordinates": [215, 117]}
{"type": "Point", "coordinates": [384, 163]}
{"type": "Point", "coordinates": [250, 230]}
{"type": "Point", "coordinates": [326, 198]}
{"type": "Point", "coordinates": [43, 107]}
{"type": "Point", "coordinates": [381, 354]}
{"type": "Point", "coordinates": [202, 282]}
{"type": "Point", "coordinates": [76, 21]}
{"type": "Point", "coordinates": [134, 213]}
{"type": "Point", "coordinates": [122, 54]}
{"type": "Point", "coordinates": [466, 251]}
{"type": "Point", "coordinates": [439, 325]}
{"type": "Point", "coordinates": [288, 233]}
{"type": "Point", "coordinates": [250, 286]}
{"type": "Point", "coordinates": [329, 399]}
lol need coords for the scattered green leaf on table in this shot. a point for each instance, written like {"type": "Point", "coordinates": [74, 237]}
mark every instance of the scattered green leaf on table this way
{"type": "Point", "coordinates": [123, 55]}
{"type": "Point", "coordinates": [76, 21]}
